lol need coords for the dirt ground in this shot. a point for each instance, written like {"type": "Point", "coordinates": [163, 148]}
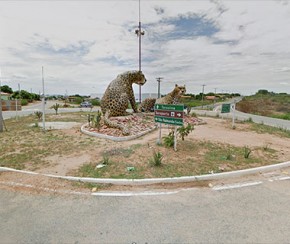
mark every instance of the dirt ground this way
{"type": "Point", "coordinates": [214, 130]}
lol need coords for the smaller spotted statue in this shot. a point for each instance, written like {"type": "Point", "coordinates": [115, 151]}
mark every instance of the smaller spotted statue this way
{"type": "Point", "coordinates": [171, 98]}
{"type": "Point", "coordinates": [117, 97]}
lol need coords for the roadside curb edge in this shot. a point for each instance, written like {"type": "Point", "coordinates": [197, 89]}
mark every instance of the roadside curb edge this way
{"type": "Point", "coordinates": [149, 181]}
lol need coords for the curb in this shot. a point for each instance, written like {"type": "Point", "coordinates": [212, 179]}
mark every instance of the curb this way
{"type": "Point", "coordinates": [113, 138]}
{"type": "Point", "coordinates": [183, 179]}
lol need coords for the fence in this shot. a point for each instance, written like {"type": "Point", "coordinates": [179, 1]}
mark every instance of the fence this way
{"type": "Point", "coordinates": [11, 105]}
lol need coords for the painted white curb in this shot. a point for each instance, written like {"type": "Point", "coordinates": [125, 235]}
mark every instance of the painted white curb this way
{"type": "Point", "coordinates": [149, 181]}
{"type": "Point", "coordinates": [113, 138]}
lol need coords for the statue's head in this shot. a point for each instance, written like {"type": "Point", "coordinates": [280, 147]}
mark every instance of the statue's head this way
{"type": "Point", "coordinates": [181, 90]}
{"type": "Point", "coordinates": [135, 76]}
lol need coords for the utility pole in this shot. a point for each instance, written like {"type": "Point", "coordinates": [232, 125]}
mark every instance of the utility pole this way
{"type": "Point", "coordinates": [202, 95]}
{"type": "Point", "coordinates": [214, 96]}
{"type": "Point", "coordinates": [139, 33]}
{"type": "Point", "coordinates": [159, 80]}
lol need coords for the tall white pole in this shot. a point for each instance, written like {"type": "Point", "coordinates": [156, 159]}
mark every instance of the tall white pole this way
{"type": "Point", "coordinates": [43, 103]}
{"type": "Point", "coordinates": [139, 34]}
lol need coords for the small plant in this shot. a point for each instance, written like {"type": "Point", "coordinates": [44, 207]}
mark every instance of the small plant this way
{"type": "Point", "coordinates": [90, 119]}
{"type": "Point", "coordinates": [193, 114]}
{"type": "Point", "coordinates": [229, 155]}
{"type": "Point", "coordinates": [38, 114]}
{"type": "Point", "coordinates": [56, 107]}
{"type": "Point", "coordinates": [247, 152]}
{"type": "Point", "coordinates": [266, 147]}
{"type": "Point", "coordinates": [184, 131]}
{"type": "Point", "coordinates": [169, 140]}
{"type": "Point", "coordinates": [157, 159]}
{"type": "Point", "coordinates": [250, 120]}
{"type": "Point", "coordinates": [106, 160]}
{"type": "Point", "coordinates": [97, 120]}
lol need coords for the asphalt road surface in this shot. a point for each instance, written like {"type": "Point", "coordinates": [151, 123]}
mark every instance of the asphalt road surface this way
{"type": "Point", "coordinates": [253, 214]}
{"type": "Point", "coordinates": [30, 109]}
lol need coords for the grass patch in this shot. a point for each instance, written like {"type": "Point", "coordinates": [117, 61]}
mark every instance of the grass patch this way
{"type": "Point", "coordinates": [25, 147]}
{"type": "Point", "coordinates": [262, 129]}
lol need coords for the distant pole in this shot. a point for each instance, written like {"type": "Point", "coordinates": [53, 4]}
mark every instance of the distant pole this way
{"type": "Point", "coordinates": [202, 95]}
{"type": "Point", "coordinates": [139, 33]}
{"type": "Point", "coordinates": [214, 96]}
{"type": "Point", "coordinates": [159, 80]}
{"type": "Point", "coordinates": [43, 103]}
{"type": "Point", "coordinates": [1, 117]}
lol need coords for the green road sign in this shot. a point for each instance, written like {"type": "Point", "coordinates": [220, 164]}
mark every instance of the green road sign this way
{"type": "Point", "coordinates": [226, 108]}
{"type": "Point", "coordinates": [170, 121]}
{"type": "Point", "coordinates": [169, 114]}
{"type": "Point", "coordinates": [173, 107]}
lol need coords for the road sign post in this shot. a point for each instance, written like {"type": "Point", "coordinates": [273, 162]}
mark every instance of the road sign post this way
{"type": "Point", "coordinates": [169, 114]}
{"type": "Point", "coordinates": [227, 108]}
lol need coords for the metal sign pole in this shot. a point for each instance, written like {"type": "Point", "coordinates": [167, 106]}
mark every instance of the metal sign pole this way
{"type": "Point", "coordinates": [234, 112]}
{"type": "Point", "coordinates": [159, 138]}
{"type": "Point", "coordinates": [175, 138]}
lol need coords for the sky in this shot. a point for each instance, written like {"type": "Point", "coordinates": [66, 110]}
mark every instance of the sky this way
{"type": "Point", "coordinates": [228, 46]}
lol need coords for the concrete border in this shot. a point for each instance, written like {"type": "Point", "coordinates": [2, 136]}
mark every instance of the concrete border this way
{"type": "Point", "coordinates": [149, 181]}
{"type": "Point", "coordinates": [114, 138]}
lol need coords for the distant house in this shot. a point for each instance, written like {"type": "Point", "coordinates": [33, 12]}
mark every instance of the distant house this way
{"type": "Point", "coordinates": [5, 96]}
{"type": "Point", "coordinates": [210, 98]}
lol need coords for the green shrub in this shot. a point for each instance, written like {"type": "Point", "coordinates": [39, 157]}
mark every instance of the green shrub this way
{"type": "Point", "coordinates": [97, 120]}
{"type": "Point", "coordinates": [24, 102]}
{"type": "Point", "coordinates": [96, 102]}
{"type": "Point", "coordinates": [169, 140]}
{"type": "Point", "coordinates": [38, 114]}
{"type": "Point", "coordinates": [184, 131]}
{"type": "Point", "coordinates": [157, 159]}
{"type": "Point", "coordinates": [56, 107]}
{"type": "Point", "coordinates": [247, 152]}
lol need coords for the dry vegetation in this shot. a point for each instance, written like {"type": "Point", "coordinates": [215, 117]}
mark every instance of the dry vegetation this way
{"type": "Point", "coordinates": [213, 147]}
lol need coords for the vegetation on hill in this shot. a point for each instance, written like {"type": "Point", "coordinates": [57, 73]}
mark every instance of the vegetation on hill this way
{"type": "Point", "coordinates": [265, 103]}
{"type": "Point", "coordinates": [200, 99]}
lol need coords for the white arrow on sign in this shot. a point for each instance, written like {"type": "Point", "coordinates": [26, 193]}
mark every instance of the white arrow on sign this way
{"type": "Point", "coordinates": [178, 114]}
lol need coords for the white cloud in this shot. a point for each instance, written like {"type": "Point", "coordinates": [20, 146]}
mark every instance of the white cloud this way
{"type": "Point", "coordinates": [84, 45]}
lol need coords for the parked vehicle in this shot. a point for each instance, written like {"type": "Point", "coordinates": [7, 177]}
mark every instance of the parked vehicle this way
{"type": "Point", "coordinates": [86, 105]}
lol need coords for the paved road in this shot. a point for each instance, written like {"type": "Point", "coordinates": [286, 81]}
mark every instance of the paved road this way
{"type": "Point", "coordinates": [30, 109]}
{"type": "Point", "coordinates": [257, 214]}
{"type": "Point", "coordinates": [279, 123]}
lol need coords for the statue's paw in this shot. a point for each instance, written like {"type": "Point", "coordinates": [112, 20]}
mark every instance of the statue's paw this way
{"type": "Point", "coordinates": [126, 132]}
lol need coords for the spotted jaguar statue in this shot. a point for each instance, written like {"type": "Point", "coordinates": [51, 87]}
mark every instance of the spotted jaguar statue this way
{"type": "Point", "coordinates": [117, 97]}
{"type": "Point", "coordinates": [147, 105]}
{"type": "Point", "coordinates": [172, 98]}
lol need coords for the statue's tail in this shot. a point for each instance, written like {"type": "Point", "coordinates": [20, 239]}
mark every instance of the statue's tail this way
{"type": "Point", "coordinates": [110, 123]}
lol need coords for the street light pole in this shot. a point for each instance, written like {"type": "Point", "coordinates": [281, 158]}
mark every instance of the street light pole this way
{"type": "Point", "coordinates": [139, 33]}
{"type": "Point", "coordinates": [159, 80]}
